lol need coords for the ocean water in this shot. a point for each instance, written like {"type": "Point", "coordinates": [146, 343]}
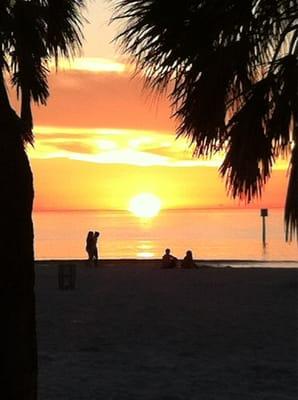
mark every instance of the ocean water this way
{"type": "Point", "coordinates": [210, 234]}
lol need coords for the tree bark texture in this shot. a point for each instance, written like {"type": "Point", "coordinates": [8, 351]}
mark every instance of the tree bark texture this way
{"type": "Point", "coordinates": [18, 348]}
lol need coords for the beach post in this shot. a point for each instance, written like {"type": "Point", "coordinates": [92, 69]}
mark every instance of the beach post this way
{"type": "Point", "coordinates": [66, 276]}
{"type": "Point", "coordinates": [264, 214]}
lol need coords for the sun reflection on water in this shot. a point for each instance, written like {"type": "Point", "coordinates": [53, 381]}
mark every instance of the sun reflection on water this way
{"type": "Point", "coordinates": [145, 254]}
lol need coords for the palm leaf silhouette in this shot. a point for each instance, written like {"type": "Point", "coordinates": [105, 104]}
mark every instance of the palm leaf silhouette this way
{"type": "Point", "coordinates": [231, 68]}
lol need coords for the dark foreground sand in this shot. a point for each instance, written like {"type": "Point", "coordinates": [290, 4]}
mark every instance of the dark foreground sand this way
{"type": "Point", "coordinates": [133, 331]}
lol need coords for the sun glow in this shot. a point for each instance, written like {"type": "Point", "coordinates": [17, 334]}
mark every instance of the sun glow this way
{"type": "Point", "coordinates": [93, 64]}
{"type": "Point", "coordinates": [145, 205]}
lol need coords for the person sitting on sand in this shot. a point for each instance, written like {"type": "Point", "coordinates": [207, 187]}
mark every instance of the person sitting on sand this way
{"type": "Point", "coordinates": [188, 261]}
{"type": "Point", "coordinates": [169, 261]}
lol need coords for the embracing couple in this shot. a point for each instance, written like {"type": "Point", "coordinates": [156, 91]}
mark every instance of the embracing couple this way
{"type": "Point", "coordinates": [91, 246]}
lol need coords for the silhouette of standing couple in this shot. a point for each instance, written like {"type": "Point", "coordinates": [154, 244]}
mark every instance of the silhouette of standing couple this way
{"type": "Point", "coordinates": [91, 247]}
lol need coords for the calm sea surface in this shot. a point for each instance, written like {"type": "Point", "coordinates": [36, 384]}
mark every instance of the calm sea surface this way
{"type": "Point", "coordinates": [210, 234]}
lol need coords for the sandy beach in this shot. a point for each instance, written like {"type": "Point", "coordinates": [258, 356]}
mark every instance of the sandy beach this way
{"type": "Point", "coordinates": [130, 330]}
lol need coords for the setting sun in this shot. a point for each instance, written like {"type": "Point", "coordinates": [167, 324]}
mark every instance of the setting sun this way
{"type": "Point", "coordinates": [145, 205]}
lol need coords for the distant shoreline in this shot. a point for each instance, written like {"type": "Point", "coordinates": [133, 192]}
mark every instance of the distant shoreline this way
{"type": "Point", "coordinates": [221, 263]}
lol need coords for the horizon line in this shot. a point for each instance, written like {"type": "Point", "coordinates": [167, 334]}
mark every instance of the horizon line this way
{"type": "Point", "coordinates": [163, 209]}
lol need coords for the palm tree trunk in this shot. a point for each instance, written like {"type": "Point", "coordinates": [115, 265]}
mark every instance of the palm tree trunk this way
{"type": "Point", "coordinates": [18, 349]}
{"type": "Point", "coordinates": [26, 114]}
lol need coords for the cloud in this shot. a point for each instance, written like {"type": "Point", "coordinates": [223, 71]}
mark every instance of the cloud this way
{"type": "Point", "coordinates": [113, 146]}
{"type": "Point", "coordinates": [93, 64]}
{"type": "Point", "coordinates": [120, 146]}
{"type": "Point", "coordinates": [68, 147]}
{"type": "Point", "coordinates": [105, 117]}
{"type": "Point", "coordinates": [102, 100]}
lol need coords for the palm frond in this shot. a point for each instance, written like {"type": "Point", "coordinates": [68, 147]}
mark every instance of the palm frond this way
{"type": "Point", "coordinates": [5, 28]}
{"type": "Point", "coordinates": [291, 206]}
{"type": "Point", "coordinates": [249, 158]}
{"type": "Point", "coordinates": [28, 58]}
{"type": "Point", "coordinates": [31, 32]}
{"type": "Point", "coordinates": [201, 97]}
{"type": "Point", "coordinates": [231, 68]}
{"type": "Point", "coordinates": [64, 27]}
{"type": "Point", "coordinates": [284, 104]}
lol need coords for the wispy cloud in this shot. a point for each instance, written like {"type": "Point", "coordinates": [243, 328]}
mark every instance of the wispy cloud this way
{"type": "Point", "coordinates": [84, 98]}
{"type": "Point", "coordinates": [120, 146]}
{"type": "Point", "coordinates": [91, 64]}
{"type": "Point", "coordinates": [115, 146]}
{"type": "Point", "coordinates": [105, 118]}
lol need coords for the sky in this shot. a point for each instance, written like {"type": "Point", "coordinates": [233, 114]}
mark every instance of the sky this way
{"type": "Point", "coordinates": [102, 139]}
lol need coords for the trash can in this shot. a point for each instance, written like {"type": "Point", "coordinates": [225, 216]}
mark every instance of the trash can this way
{"type": "Point", "coordinates": [66, 276]}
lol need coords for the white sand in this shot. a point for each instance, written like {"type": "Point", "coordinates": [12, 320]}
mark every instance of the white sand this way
{"type": "Point", "coordinates": [133, 331]}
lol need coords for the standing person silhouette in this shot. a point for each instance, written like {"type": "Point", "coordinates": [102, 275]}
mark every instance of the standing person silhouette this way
{"type": "Point", "coordinates": [89, 246]}
{"type": "Point", "coordinates": [94, 247]}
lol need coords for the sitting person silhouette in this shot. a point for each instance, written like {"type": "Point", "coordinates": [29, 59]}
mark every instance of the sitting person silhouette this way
{"type": "Point", "coordinates": [169, 261]}
{"type": "Point", "coordinates": [188, 261]}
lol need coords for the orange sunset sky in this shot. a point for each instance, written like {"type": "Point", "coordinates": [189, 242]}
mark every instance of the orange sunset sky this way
{"type": "Point", "coordinates": [102, 139]}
